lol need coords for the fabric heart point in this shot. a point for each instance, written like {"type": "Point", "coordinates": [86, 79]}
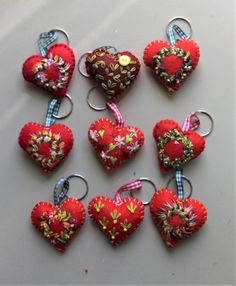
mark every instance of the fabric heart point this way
{"type": "Point", "coordinates": [172, 64]}
{"type": "Point", "coordinates": [47, 146]}
{"type": "Point", "coordinates": [116, 220]}
{"type": "Point", "coordinates": [113, 72]}
{"type": "Point", "coordinates": [114, 144]}
{"type": "Point", "coordinates": [176, 219]}
{"type": "Point", "coordinates": [58, 224]}
{"type": "Point", "coordinates": [52, 72]}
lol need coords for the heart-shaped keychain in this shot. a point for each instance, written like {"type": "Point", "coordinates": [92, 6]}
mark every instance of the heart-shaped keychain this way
{"type": "Point", "coordinates": [113, 71]}
{"type": "Point", "coordinates": [172, 62]}
{"type": "Point", "coordinates": [177, 146]}
{"type": "Point", "coordinates": [118, 218]}
{"type": "Point", "coordinates": [176, 217]}
{"type": "Point", "coordinates": [53, 68]}
{"type": "Point", "coordinates": [59, 222]}
{"type": "Point", "coordinates": [48, 145]}
{"type": "Point", "coordinates": [113, 142]}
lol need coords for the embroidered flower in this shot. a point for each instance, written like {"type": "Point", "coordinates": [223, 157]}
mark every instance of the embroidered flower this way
{"type": "Point", "coordinates": [133, 132]}
{"type": "Point", "coordinates": [104, 155]}
{"type": "Point", "coordinates": [133, 147]}
{"type": "Point", "coordinates": [94, 135]}
{"type": "Point", "coordinates": [120, 141]}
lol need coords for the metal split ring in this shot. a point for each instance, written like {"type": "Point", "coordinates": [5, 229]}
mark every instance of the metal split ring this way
{"type": "Point", "coordinates": [70, 111]}
{"type": "Point", "coordinates": [83, 179]}
{"type": "Point", "coordinates": [211, 121]}
{"type": "Point", "coordinates": [184, 20]}
{"type": "Point", "coordinates": [143, 179]}
{"type": "Point", "coordinates": [63, 32]}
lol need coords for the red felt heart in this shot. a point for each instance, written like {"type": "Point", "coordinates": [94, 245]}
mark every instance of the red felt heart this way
{"type": "Point", "coordinates": [176, 219]}
{"type": "Point", "coordinates": [59, 224]}
{"type": "Point", "coordinates": [52, 72]}
{"type": "Point", "coordinates": [172, 64]}
{"type": "Point", "coordinates": [176, 147]}
{"type": "Point", "coordinates": [116, 220]}
{"type": "Point", "coordinates": [47, 146]}
{"type": "Point", "coordinates": [113, 72]}
{"type": "Point", "coordinates": [114, 144]}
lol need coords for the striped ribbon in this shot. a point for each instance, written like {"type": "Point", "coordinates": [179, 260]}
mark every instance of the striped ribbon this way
{"type": "Point", "coordinates": [175, 29]}
{"type": "Point", "coordinates": [60, 191]}
{"type": "Point", "coordinates": [45, 40]}
{"type": "Point", "coordinates": [53, 108]}
{"type": "Point", "coordinates": [191, 122]}
{"type": "Point", "coordinates": [179, 183]}
{"type": "Point", "coordinates": [135, 185]}
{"type": "Point", "coordinates": [119, 119]}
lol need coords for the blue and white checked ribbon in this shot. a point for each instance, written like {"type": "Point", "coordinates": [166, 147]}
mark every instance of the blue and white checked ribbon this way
{"type": "Point", "coordinates": [179, 184]}
{"type": "Point", "coordinates": [53, 108]}
{"type": "Point", "coordinates": [45, 40]}
{"type": "Point", "coordinates": [60, 191]}
{"type": "Point", "coordinates": [171, 33]}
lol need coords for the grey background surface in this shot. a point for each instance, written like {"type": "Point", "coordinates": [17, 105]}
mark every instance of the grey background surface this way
{"type": "Point", "coordinates": [207, 257]}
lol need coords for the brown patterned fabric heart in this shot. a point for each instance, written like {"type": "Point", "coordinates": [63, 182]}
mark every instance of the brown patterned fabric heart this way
{"type": "Point", "coordinates": [113, 72]}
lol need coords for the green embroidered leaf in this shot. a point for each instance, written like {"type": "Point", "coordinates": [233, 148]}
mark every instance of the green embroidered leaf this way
{"type": "Point", "coordinates": [110, 91]}
{"type": "Point", "coordinates": [107, 71]}
{"type": "Point", "coordinates": [128, 139]}
{"type": "Point", "coordinates": [116, 78]}
{"type": "Point", "coordinates": [133, 69]}
{"type": "Point", "coordinates": [101, 133]}
{"type": "Point", "coordinates": [113, 160]}
{"type": "Point", "coordinates": [90, 59]}
{"type": "Point", "coordinates": [104, 86]}
{"type": "Point", "coordinates": [111, 147]}
{"type": "Point", "coordinates": [99, 77]}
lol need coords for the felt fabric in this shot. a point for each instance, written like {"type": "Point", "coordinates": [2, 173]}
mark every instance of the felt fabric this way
{"type": "Point", "coordinates": [176, 219]}
{"type": "Point", "coordinates": [52, 72]}
{"type": "Point", "coordinates": [47, 146]}
{"type": "Point", "coordinates": [174, 146]}
{"type": "Point", "coordinates": [114, 73]}
{"type": "Point", "coordinates": [172, 64]}
{"type": "Point", "coordinates": [117, 220]}
{"type": "Point", "coordinates": [114, 144]}
{"type": "Point", "coordinates": [58, 224]}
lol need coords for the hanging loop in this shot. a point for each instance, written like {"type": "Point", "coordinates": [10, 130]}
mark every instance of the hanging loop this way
{"type": "Point", "coordinates": [211, 122]}
{"type": "Point", "coordinates": [70, 111]}
{"type": "Point", "coordinates": [171, 27]}
{"type": "Point", "coordinates": [60, 30]}
{"type": "Point", "coordinates": [143, 179]}
{"type": "Point", "coordinates": [184, 178]}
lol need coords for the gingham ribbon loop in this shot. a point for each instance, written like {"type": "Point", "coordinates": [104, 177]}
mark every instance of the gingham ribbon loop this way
{"type": "Point", "coordinates": [60, 191]}
{"type": "Point", "coordinates": [191, 122]}
{"type": "Point", "coordinates": [45, 40]}
{"type": "Point", "coordinates": [129, 187]}
{"type": "Point", "coordinates": [171, 33]}
{"type": "Point", "coordinates": [117, 114]}
{"type": "Point", "coordinates": [179, 183]}
{"type": "Point", "coordinates": [53, 108]}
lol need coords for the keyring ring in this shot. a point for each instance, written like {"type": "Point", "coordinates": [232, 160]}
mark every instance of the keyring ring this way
{"type": "Point", "coordinates": [107, 48]}
{"type": "Point", "coordinates": [90, 104]}
{"type": "Point", "coordinates": [63, 32]}
{"type": "Point", "coordinates": [71, 109]}
{"type": "Point", "coordinates": [83, 179]}
{"type": "Point", "coordinates": [143, 179]}
{"type": "Point", "coordinates": [187, 180]}
{"type": "Point", "coordinates": [184, 20]}
{"type": "Point", "coordinates": [211, 121]}
{"type": "Point", "coordinates": [85, 74]}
